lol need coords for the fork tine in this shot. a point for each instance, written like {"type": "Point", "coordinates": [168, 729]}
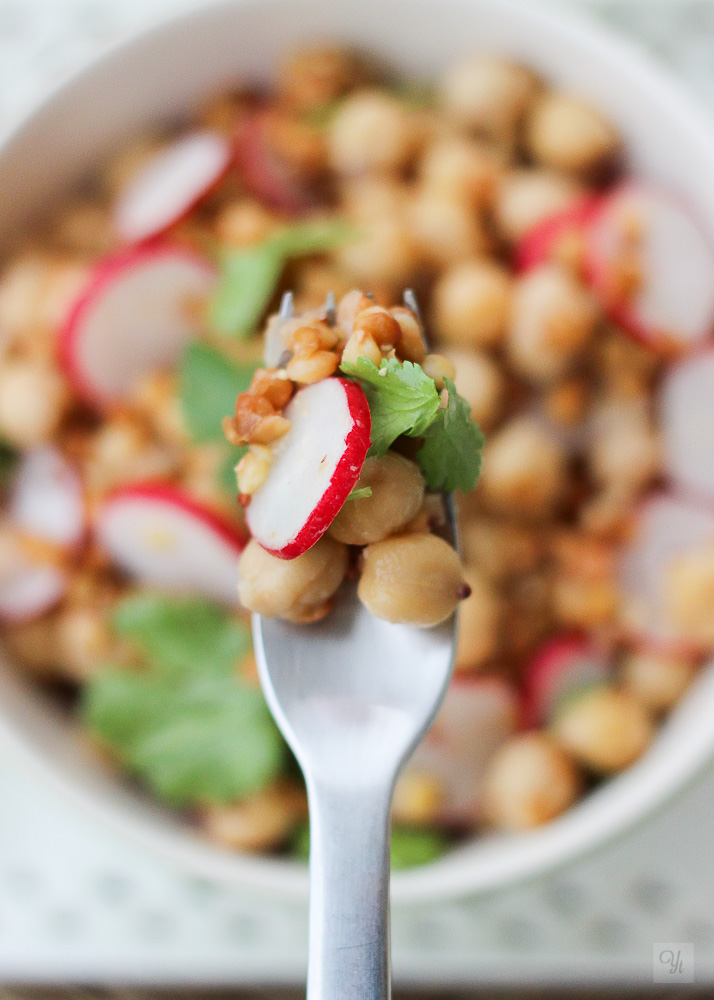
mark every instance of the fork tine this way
{"type": "Point", "coordinates": [286, 305]}
{"type": "Point", "coordinates": [410, 301]}
{"type": "Point", "coordinates": [331, 309]}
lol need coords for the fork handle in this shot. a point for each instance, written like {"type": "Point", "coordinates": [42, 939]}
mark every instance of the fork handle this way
{"type": "Point", "coordinates": [349, 895]}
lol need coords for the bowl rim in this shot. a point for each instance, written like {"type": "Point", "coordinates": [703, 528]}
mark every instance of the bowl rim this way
{"type": "Point", "coordinates": [586, 826]}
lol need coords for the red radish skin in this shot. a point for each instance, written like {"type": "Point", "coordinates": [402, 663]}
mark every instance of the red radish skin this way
{"type": "Point", "coordinates": [273, 182]}
{"type": "Point", "coordinates": [673, 310]}
{"type": "Point", "coordinates": [537, 245]}
{"type": "Point", "coordinates": [667, 525]}
{"type": "Point", "coordinates": [561, 665]}
{"type": "Point", "coordinates": [99, 322]}
{"type": "Point", "coordinates": [263, 509]}
{"type": "Point", "coordinates": [478, 715]}
{"type": "Point", "coordinates": [148, 508]}
{"type": "Point", "coordinates": [171, 185]}
{"type": "Point", "coordinates": [47, 499]}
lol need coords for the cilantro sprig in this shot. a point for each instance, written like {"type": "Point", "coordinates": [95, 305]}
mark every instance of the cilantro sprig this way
{"type": "Point", "coordinates": [249, 278]}
{"type": "Point", "coordinates": [450, 457]}
{"type": "Point", "coordinates": [186, 724]}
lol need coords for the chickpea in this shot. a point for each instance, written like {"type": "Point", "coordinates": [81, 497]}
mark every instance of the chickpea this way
{"type": "Point", "coordinates": [314, 281]}
{"type": "Point", "coordinates": [566, 402]}
{"type": "Point", "coordinates": [689, 595]}
{"type": "Point", "coordinates": [383, 254]}
{"type": "Point", "coordinates": [156, 399]}
{"type": "Point", "coordinates": [253, 468]}
{"type": "Point", "coordinates": [244, 223]}
{"type": "Point", "coordinates": [121, 451]}
{"type": "Point", "coordinates": [580, 602]}
{"type": "Point", "coordinates": [397, 493]}
{"type": "Point", "coordinates": [658, 680]}
{"type": "Point", "coordinates": [472, 302]}
{"type": "Point", "coordinates": [352, 303]}
{"type": "Point", "coordinates": [361, 345]}
{"type": "Point", "coordinates": [315, 76]}
{"type": "Point", "coordinates": [411, 346]}
{"type": "Point", "coordinates": [445, 229]}
{"type": "Point", "coordinates": [83, 641]}
{"type": "Point", "coordinates": [480, 381]}
{"type": "Point", "coordinates": [529, 782]}
{"type": "Point", "coordinates": [460, 169]}
{"type": "Point", "coordinates": [259, 823]}
{"type": "Point", "coordinates": [33, 401]}
{"type": "Point", "coordinates": [553, 321]}
{"type": "Point", "coordinates": [489, 94]}
{"type": "Point", "coordinates": [439, 367]}
{"type": "Point", "coordinates": [605, 729]}
{"type": "Point", "coordinates": [291, 588]}
{"type": "Point", "coordinates": [527, 196]}
{"type": "Point", "coordinates": [372, 196]}
{"type": "Point", "coordinates": [372, 131]}
{"type": "Point", "coordinates": [479, 623]}
{"type": "Point", "coordinates": [414, 579]}
{"type": "Point", "coordinates": [417, 798]}
{"type": "Point", "coordinates": [523, 470]}
{"type": "Point", "coordinates": [625, 450]}
{"type": "Point", "coordinates": [499, 549]}
{"type": "Point", "coordinates": [566, 133]}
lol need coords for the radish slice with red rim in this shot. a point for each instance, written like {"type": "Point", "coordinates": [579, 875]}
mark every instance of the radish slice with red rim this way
{"type": "Point", "coordinates": [539, 244]}
{"type": "Point", "coordinates": [269, 178]}
{"type": "Point", "coordinates": [673, 307]}
{"type": "Point", "coordinates": [159, 535]}
{"type": "Point", "coordinates": [170, 185]}
{"type": "Point", "coordinates": [477, 716]}
{"type": "Point", "coordinates": [314, 468]}
{"type": "Point", "coordinates": [686, 404]}
{"type": "Point", "coordinates": [47, 499]}
{"type": "Point", "coordinates": [135, 316]}
{"type": "Point", "coordinates": [559, 670]}
{"type": "Point", "coordinates": [667, 527]}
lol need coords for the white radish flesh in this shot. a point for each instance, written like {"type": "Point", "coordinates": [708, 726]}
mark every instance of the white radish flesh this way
{"type": "Point", "coordinates": [47, 499]}
{"type": "Point", "coordinates": [686, 405]}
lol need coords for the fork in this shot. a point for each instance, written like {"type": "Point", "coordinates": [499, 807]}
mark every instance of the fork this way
{"type": "Point", "coordinates": [353, 695]}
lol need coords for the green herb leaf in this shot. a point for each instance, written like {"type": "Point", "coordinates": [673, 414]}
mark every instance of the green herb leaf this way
{"type": "Point", "coordinates": [402, 399]}
{"type": "Point", "coordinates": [176, 633]}
{"type": "Point", "coordinates": [249, 278]}
{"type": "Point", "coordinates": [8, 460]}
{"type": "Point", "coordinates": [360, 493]}
{"type": "Point", "coordinates": [450, 457]}
{"type": "Point", "coordinates": [187, 724]}
{"type": "Point", "coordinates": [408, 847]}
{"type": "Point", "coordinates": [208, 386]}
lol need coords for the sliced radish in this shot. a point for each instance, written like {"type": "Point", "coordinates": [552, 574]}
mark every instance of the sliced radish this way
{"type": "Point", "coordinates": [561, 668]}
{"type": "Point", "coordinates": [47, 500]}
{"type": "Point", "coordinates": [687, 417]}
{"type": "Point", "coordinates": [540, 242]}
{"type": "Point", "coordinates": [270, 179]}
{"type": "Point", "coordinates": [27, 588]}
{"type": "Point", "coordinates": [135, 316]}
{"type": "Point", "coordinates": [667, 527]}
{"type": "Point", "coordinates": [315, 466]}
{"type": "Point", "coordinates": [478, 715]}
{"type": "Point", "coordinates": [159, 535]}
{"type": "Point", "coordinates": [170, 185]}
{"type": "Point", "coordinates": [673, 307]}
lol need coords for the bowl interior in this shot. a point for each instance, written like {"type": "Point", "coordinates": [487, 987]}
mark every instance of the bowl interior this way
{"type": "Point", "coordinates": [160, 75]}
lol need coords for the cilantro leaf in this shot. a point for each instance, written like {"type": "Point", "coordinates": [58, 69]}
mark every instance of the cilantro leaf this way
{"type": "Point", "coordinates": [208, 386]}
{"type": "Point", "coordinates": [8, 459]}
{"type": "Point", "coordinates": [176, 633]}
{"type": "Point", "coordinates": [359, 493]}
{"type": "Point", "coordinates": [402, 399]}
{"type": "Point", "coordinates": [203, 735]}
{"type": "Point", "coordinates": [450, 457]}
{"type": "Point", "coordinates": [187, 724]}
{"type": "Point", "coordinates": [249, 278]}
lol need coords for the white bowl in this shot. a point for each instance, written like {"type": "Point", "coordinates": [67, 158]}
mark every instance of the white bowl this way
{"type": "Point", "coordinates": [169, 69]}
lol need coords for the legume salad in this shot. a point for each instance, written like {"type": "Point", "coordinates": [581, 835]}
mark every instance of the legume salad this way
{"type": "Point", "coordinates": [149, 392]}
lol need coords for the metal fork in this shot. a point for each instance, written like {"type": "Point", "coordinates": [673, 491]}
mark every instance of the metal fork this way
{"type": "Point", "coordinates": [353, 696]}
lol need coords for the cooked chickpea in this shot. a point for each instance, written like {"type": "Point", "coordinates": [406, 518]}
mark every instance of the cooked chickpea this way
{"type": "Point", "coordinates": [582, 602]}
{"type": "Point", "coordinates": [383, 254]}
{"type": "Point", "coordinates": [315, 76]}
{"type": "Point", "coordinates": [605, 729]}
{"type": "Point", "coordinates": [529, 782]}
{"type": "Point", "coordinates": [371, 131]}
{"type": "Point", "coordinates": [527, 196]}
{"type": "Point", "coordinates": [566, 133]}
{"type": "Point", "coordinates": [480, 381]}
{"type": "Point", "coordinates": [411, 345]}
{"type": "Point", "coordinates": [479, 623]}
{"type": "Point", "coordinates": [472, 303]}
{"type": "Point", "coordinates": [305, 370]}
{"type": "Point", "coordinates": [460, 169]}
{"type": "Point", "coordinates": [445, 229]}
{"type": "Point", "coordinates": [243, 223]}
{"type": "Point", "coordinates": [625, 449]}
{"type": "Point", "coordinates": [658, 680]}
{"type": "Point", "coordinates": [253, 468]}
{"type": "Point", "coordinates": [372, 196]}
{"type": "Point", "coordinates": [439, 367]}
{"type": "Point", "coordinates": [259, 823]}
{"type": "Point", "coordinates": [378, 323]}
{"type": "Point", "coordinates": [397, 492]}
{"type": "Point", "coordinates": [414, 579]}
{"type": "Point", "coordinates": [523, 470]}
{"type": "Point", "coordinates": [489, 94]}
{"type": "Point", "coordinates": [499, 549]}
{"type": "Point", "coordinates": [553, 321]}
{"type": "Point", "coordinates": [566, 402]}
{"type": "Point", "coordinates": [361, 345]}
{"type": "Point", "coordinates": [689, 595]}
{"type": "Point", "coordinates": [156, 398]}
{"type": "Point", "coordinates": [417, 798]}
{"type": "Point", "coordinates": [83, 641]}
{"type": "Point", "coordinates": [33, 401]}
{"type": "Point", "coordinates": [296, 589]}
{"type": "Point", "coordinates": [121, 451]}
